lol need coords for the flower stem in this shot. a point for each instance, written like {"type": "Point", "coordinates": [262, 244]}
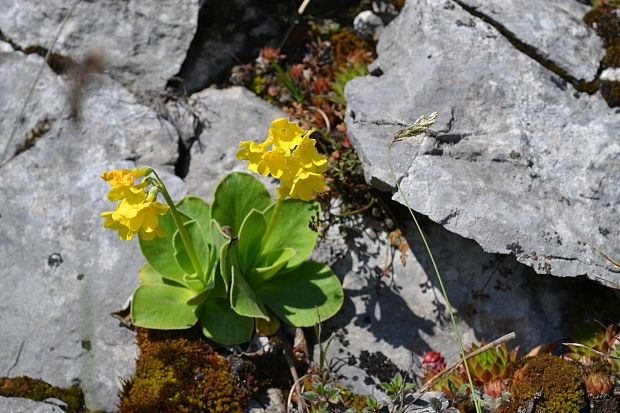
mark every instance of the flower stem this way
{"type": "Point", "coordinates": [272, 222]}
{"type": "Point", "coordinates": [443, 289]}
{"type": "Point", "coordinates": [189, 247]}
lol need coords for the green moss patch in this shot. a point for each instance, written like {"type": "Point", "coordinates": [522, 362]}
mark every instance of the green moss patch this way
{"type": "Point", "coordinates": [178, 372]}
{"type": "Point", "coordinates": [553, 384]}
{"type": "Point", "coordinates": [38, 390]}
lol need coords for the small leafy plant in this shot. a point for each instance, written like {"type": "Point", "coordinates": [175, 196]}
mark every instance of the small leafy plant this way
{"type": "Point", "coordinates": [236, 265]}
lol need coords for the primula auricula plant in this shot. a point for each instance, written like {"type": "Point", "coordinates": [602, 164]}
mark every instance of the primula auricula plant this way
{"type": "Point", "coordinates": [238, 264]}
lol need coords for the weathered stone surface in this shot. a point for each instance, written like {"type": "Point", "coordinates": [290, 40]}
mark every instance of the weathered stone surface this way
{"type": "Point", "coordinates": [19, 405]}
{"type": "Point", "coordinates": [144, 42]}
{"type": "Point", "coordinates": [403, 314]}
{"type": "Point", "coordinates": [62, 272]}
{"type": "Point", "coordinates": [227, 117]}
{"type": "Point", "coordinates": [552, 29]}
{"type": "Point", "coordinates": [17, 74]}
{"type": "Point", "coordinates": [518, 161]}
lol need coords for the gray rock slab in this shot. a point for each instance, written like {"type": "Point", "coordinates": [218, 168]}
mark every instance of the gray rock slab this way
{"type": "Point", "coordinates": [553, 29]}
{"type": "Point", "coordinates": [144, 42]}
{"type": "Point", "coordinates": [402, 314]}
{"type": "Point", "coordinates": [17, 75]}
{"type": "Point", "coordinates": [62, 273]}
{"type": "Point", "coordinates": [227, 117]}
{"type": "Point", "coordinates": [518, 161]}
{"type": "Point", "coordinates": [19, 405]}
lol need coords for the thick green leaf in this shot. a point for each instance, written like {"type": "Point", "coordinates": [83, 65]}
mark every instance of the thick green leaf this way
{"type": "Point", "coordinates": [201, 296]}
{"type": "Point", "coordinates": [235, 197]}
{"type": "Point", "coordinates": [296, 295]}
{"type": "Point", "coordinates": [220, 323]}
{"type": "Point", "coordinates": [198, 210]}
{"type": "Point", "coordinates": [201, 248]}
{"type": "Point", "coordinates": [271, 263]}
{"type": "Point", "coordinates": [292, 229]}
{"type": "Point", "coordinates": [250, 237]}
{"type": "Point", "coordinates": [243, 299]}
{"type": "Point", "coordinates": [148, 275]}
{"type": "Point", "coordinates": [162, 307]}
{"type": "Point", "coordinates": [159, 252]}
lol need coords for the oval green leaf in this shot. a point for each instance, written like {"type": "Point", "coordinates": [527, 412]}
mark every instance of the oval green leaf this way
{"type": "Point", "coordinates": [292, 229]}
{"type": "Point", "coordinates": [198, 210]}
{"type": "Point", "coordinates": [243, 299]}
{"type": "Point", "coordinates": [296, 296]}
{"type": "Point", "coordinates": [250, 235]}
{"type": "Point", "coordinates": [220, 323]}
{"type": "Point", "coordinates": [163, 307]}
{"type": "Point", "coordinates": [235, 197]}
{"type": "Point", "coordinates": [159, 252]}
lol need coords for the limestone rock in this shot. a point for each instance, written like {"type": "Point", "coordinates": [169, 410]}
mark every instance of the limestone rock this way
{"type": "Point", "coordinates": [17, 74]}
{"type": "Point", "coordinates": [62, 272]}
{"type": "Point", "coordinates": [552, 29]}
{"type": "Point", "coordinates": [518, 160]}
{"type": "Point", "coordinates": [144, 42]}
{"type": "Point", "coordinates": [19, 405]}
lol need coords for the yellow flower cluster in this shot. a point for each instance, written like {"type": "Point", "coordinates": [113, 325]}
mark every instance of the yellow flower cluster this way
{"type": "Point", "coordinates": [138, 211]}
{"type": "Point", "coordinates": [293, 159]}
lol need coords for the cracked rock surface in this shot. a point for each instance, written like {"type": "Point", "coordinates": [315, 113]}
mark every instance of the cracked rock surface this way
{"type": "Point", "coordinates": [62, 272]}
{"type": "Point", "coordinates": [402, 314]}
{"type": "Point", "coordinates": [144, 42]}
{"type": "Point", "coordinates": [552, 29]}
{"type": "Point", "coordinates": [517, 161]}
{"type": "Point", "coordinates": [17, 73]}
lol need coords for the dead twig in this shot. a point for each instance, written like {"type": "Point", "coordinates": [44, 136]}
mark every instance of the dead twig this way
{"type": "Point", "coordinates": [592, 350]}
{"type": "Point", "coordinates": [607, 257]}
{"type": "Point", "coordinates": [291, 365]}
{"type": "Point", "coordinates": [440, 376]}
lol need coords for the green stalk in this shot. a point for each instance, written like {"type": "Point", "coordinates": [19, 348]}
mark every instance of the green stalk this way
{"type": "Point", "coordinates": [182, 232]}
{"type": "Point", "coordinates": [443, 289]}
{"type": "Point", "coordinates": [272, 222]}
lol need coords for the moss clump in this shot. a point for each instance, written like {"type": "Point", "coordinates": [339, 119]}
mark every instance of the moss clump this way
{"type": "Point", "coordinates": [612, 56]}
{"type": "Point", "coordinates": [179, 373]}
{"type": "Point", "coordinates": [611, 93]}
{"type": "Point", "coordinates": [605, 22]}
{"type": "Point", "coordinates": [553, 384]}
{"type": "Point", "coordinates": [38, 390]}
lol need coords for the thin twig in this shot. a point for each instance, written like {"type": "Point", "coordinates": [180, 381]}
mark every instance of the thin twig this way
{"type": "Point", "coordinates": [440, 376]}
{"type": "Point", "coordinates": [592, 350]}
{"type": "Point", "coordinates": [328, 126]}
{"type": "Point", "coordinates": [607, 257]}
{"type": "Point", "coordinates": [291, 365]}
{"type": "Point", "coordinates": [34, 83]}
{"type": "Point", "coordinates": [294, 388]}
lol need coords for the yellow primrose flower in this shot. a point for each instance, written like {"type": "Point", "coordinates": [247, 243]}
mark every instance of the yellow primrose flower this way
{"type": "Point", "coordinates": [122, 182]}
{"type": "Point", "coordinates": [286, 135]}
{"type": "Point", "coordinates": [274, 163]}
{"type": "Point", "coordinates": [131, 218]}
{"type": "Point", "coordinates": [253, 152]}
{"type": "Point", "coordinates": [305, 184]}
{"type": "Point", "coordinates": [293, 159]}
{"type": "Point", "coordinates": [307, 154]}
